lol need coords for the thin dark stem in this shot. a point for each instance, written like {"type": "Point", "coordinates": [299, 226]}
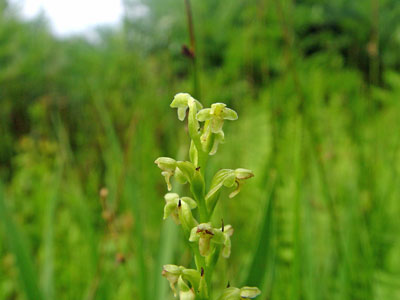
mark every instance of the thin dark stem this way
{"type": "Point", "coordinates": [190, 25]}
{"type": "Point", "coordinates": [373, 45]}
{"type": "Point", "coordinates": [192, 50]}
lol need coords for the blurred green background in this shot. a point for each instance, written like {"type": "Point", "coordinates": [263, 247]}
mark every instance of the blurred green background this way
{"type": "Point", "coordinates": [316, 85]}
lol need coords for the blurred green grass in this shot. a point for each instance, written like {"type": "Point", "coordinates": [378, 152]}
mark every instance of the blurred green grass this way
{"type": "Point", "coordinates": [317, 88]}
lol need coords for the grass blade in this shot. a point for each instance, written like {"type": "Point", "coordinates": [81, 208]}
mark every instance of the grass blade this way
{"type": "Point", "coordinates": [257, 271]}
{"type": "Point", "coordinates": [19, 248]}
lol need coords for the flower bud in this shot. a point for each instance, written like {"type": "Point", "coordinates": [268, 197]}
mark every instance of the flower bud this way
{"type": "Point", "coordinates": [168, 166]}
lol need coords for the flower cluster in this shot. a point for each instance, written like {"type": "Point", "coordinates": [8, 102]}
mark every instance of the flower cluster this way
{"type": "Point", "coordinates": [208, 243]}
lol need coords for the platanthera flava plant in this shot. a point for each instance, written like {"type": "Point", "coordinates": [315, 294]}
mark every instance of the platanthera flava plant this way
{"type": "Point", "coordinates": [206, 241]}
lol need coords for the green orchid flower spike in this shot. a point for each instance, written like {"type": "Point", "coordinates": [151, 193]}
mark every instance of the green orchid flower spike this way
{"type": "Point", "coordinates": [194, 214]}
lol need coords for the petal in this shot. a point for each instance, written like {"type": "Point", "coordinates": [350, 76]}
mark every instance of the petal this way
{"type": "Point", "coordinates": [217, 108]}
{"type": "Point", "coordinates": [166, 163]}
{"type": "Point", "coordinates": [229, 114]}
{"type": "Point", "coordinates": [249, 292]}
{"type": "Point", "coordinates": [228, 229]}
{"type": "Point", "coordinates": [189, 201]}
{"type": "Point", "coordinates": [218, 139]}
{"type": "Point", "coordinates": [204, 245]}
{"type": "Point", "coordinates": [182, 113]}
{"type": "Point", "coordinates": [226, 251]}
{"type": "Point", "coordinates": [180, 177]}
{"type": "Point", "coordinates": [230, 293]}
{"type": "Point", "coordinates": [185, 293]}
{"type": "Point", "coordinates": [172, 273]}
{"type": "Point", "coordinates": [168, 209]}
{"type": "Point", "coordinates": [180, 100]}
{"type": "Point", "coordinates": [171, 197]}
{"type": "Point", "coordinates": [167, 176]}
{"type": "Point", "coordinates": [218, 237]}
{"type": "Point", "coordinates": [172, 269]}
{"type": "Point", "coordinates": [217, 182]}
{"type": "Point", "coordinates": [187, 168]}
{"type": "Point", "coordinates": [186, 217]}
{"type": "Point", "coordinates": [243, 173]}
{"type": "Point", "coordinates": [175, 216]}
{"type": "Point", "coordinates": [194, 237]}
{"type": "Point", "coordinates": [229, 180]}
{"type": "Point", "coordinates": [216, 125]}
{"type": "Point", "coordinates": [237, 190]}
{"type": "Point", "coordinates": [198, 104]}
{"type": "Point", "coordinates": [193, 276]}
{"type": "Point", "coordinates": [204, 115]}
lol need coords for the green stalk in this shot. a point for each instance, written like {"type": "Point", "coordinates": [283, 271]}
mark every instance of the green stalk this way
{"type": "Point", "coordinates": [211, 266]}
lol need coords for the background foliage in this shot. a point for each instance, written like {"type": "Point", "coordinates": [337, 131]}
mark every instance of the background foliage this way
{"type": "Point", "coordinates": [317, 88]}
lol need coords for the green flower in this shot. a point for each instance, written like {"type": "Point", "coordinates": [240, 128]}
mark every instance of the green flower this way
{"type": "Point", "coordinates": [216, 114]}
{"type": "Point", "coordinates": [167, 166]}
{"type": "Point", "coordinates": [172, 203]}
{"type": "Point", "coordinates": [204, 234]}
{"type": "Point", "coordinates": [172, 273]}
{"type": "Point", "coordinates": [181, 101]}
{"type": "Point", "coordinates": [178, 274]}
{"type": "Point", "coordinates": [246, 292]}
{"type": "Point", "coordinates": [228, 178]}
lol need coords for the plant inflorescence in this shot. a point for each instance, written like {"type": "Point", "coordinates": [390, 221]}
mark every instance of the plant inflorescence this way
{"type": "Point", "coordinates": [206, 242]}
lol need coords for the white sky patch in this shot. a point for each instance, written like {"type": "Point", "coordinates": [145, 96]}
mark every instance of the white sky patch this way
{"type": "Point", "coordinates": [74, 16]}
